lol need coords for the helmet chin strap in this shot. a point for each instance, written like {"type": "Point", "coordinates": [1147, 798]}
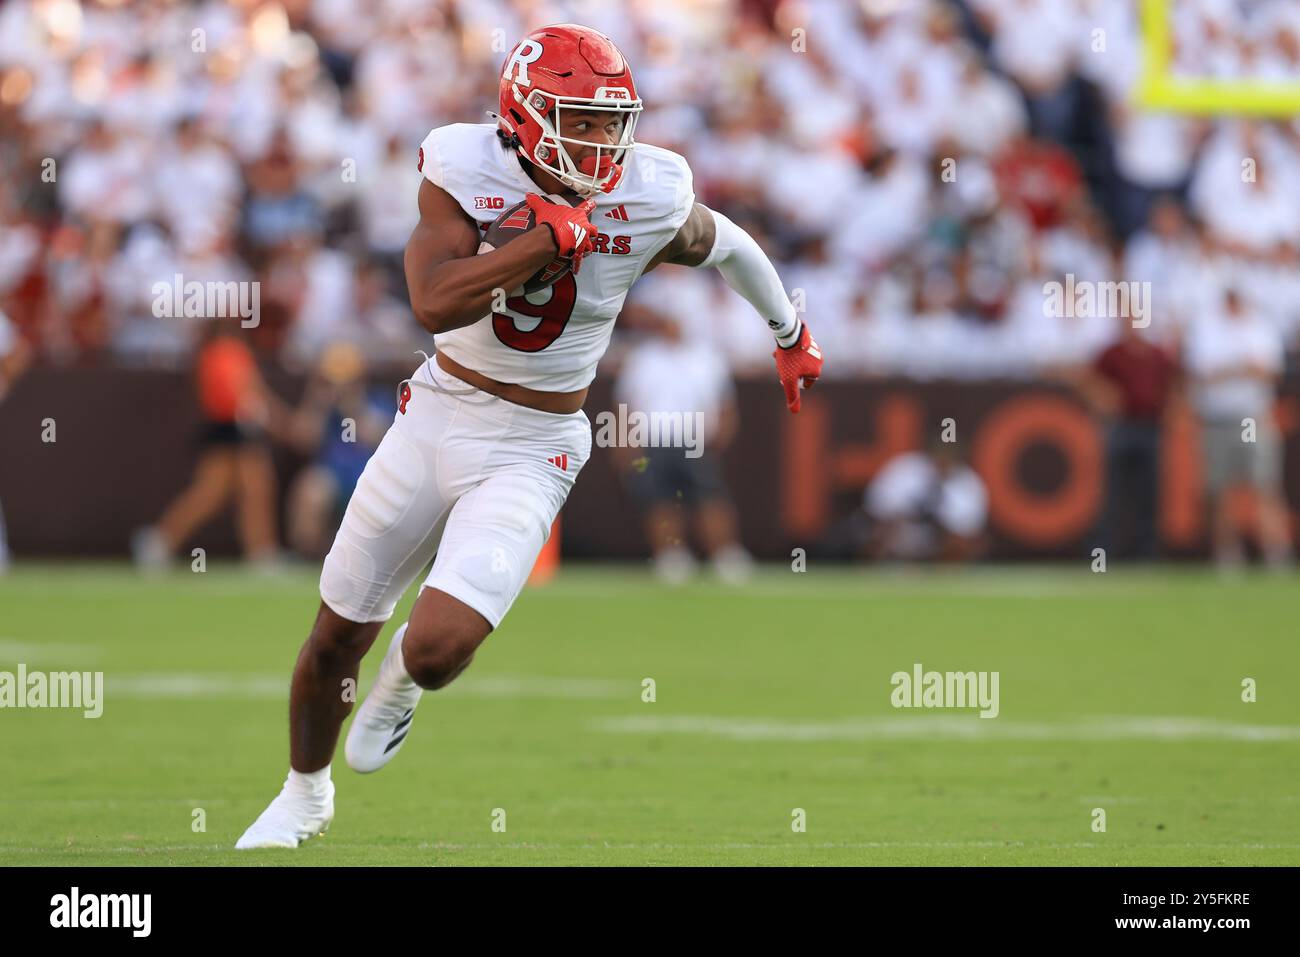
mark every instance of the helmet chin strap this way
{"type": "Point", "coordinates": [606, 168]}
{"type": "Point", "coordinates": [566, 168]}
{"type": "Point", "coordinates": [589, 167]}
{"type": "Point", "coordinates": [512, 136]}
{"type": "Point", "coordinates": [602, 172]}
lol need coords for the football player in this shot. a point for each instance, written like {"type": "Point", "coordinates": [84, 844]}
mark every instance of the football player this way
{"type": "Point", "coordinates": [490, 435]}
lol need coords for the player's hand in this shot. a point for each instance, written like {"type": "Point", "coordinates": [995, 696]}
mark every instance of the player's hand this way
{"type": "Point", "coordinates": [570, 225]}
{"type": "Point", "coordinates": [800, 364]}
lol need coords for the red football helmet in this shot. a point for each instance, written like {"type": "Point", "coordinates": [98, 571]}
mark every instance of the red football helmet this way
{"type": "Point", "coordinates": [568, 67]}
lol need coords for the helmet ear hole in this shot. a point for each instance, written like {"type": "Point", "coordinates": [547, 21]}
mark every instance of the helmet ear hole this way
{"type": "Point", "coordinates": [517, 118]}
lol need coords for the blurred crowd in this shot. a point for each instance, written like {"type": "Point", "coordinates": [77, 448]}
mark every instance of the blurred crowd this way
{"type": "Point", "coordinates": [918, 170]}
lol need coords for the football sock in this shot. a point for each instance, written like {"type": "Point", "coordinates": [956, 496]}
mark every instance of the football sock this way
{"type": "Point", "coordinates": [392, 671]}
{"type": "Point", "coordinates": [309, 784]}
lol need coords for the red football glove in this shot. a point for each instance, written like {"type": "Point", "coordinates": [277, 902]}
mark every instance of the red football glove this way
{"type": "Point", "coordinates": [572, 230]}
{"type": "Point", "coordinates": [802, 362]}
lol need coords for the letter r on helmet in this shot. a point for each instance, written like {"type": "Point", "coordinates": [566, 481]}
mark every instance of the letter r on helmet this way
{"type": "Point", "coordinates": [529, 51]}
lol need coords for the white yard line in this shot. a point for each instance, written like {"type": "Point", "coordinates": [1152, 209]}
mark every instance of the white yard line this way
{"type": "Point", "coordinates": [57, 652]}
{"type": "Point", "coordinates": [276, 686]}
{"type": "Point", "coordinates": [967, 727]}
{"type": "Point", "coordinates": [793, 844]}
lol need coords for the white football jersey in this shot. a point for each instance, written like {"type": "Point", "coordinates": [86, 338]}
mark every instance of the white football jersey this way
{"type": "Point", "coordinates": [553, 339]}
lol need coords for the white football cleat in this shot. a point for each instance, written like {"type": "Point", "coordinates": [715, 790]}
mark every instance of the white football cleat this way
{"type": "Point", "coordinates": [289, 820]}
{"type": "Point", "coordinates": [384, 718]}
{"type": "Point", "coordinates": [733, 564]}
{"type": "Point", "coordinates": [149, 550]}
{"type": "Point", "coordinates": [674, 565]}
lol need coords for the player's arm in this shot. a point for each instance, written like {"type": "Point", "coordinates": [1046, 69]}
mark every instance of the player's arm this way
{"type": "Point", "coordinates": [708, 238]}
{"type": "Point", "coordinates": [450, 284]}
{"type": "Point", "coordinates": [693, 242]}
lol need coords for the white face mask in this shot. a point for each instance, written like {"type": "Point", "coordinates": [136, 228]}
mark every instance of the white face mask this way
{"type": "Point", "coordinates": [551, 153]}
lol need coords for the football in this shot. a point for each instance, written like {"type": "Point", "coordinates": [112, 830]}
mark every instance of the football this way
{"type": "Point", "coordinates": [513, 223]}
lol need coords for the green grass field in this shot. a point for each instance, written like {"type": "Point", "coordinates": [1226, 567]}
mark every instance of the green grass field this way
{"type": "Point", "coordinates": [1119, 691]}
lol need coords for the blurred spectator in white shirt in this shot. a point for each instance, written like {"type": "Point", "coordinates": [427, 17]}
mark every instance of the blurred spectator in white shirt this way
{"type": "Point", "coordinates": [674, 373]}
{"type": "Point", "coordinates": [1235, 358]}
{"type": "Point", "coordinates": [926, 505]}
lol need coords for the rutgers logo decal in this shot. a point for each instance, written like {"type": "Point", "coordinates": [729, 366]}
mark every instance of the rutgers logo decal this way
{"type": "Point", "coordinates": [530, 51]}
{"type": "Point", "coordinates": [405, 396]}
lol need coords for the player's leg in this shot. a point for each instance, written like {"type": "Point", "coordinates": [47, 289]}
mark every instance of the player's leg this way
{"type": "Point", "coordinates": [1225, 542]}
{"type": "Point", "coordinates": [654, 484]}
{"type": "Point", "coordinates": [326, 668]}
{"type": "Point", "coordinates": [211, 486]}
{"type": "Point", "coordinates": [1145, 477]}
{"type": "Point", "coordinates": [444, 632]}
{"type": "Point", "coordinates": [328, 660]}
{"type": "Point", "coordinates": [255, 481]}
{"type": "Point", "coordinates": [1107, 529]}
{"type": "Point", "coordinates": [493, 536]}
{"type": "Point", "coordinates": [1220, 446]}
{"type": "Point", "coordinates": [311, 506]}
{"type": "Point", "coordinates": [1273, 519]}
{"type": "Point", "coordinates": [389, 532]}
{"type": "Point", "coordinates": [715, 518]}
